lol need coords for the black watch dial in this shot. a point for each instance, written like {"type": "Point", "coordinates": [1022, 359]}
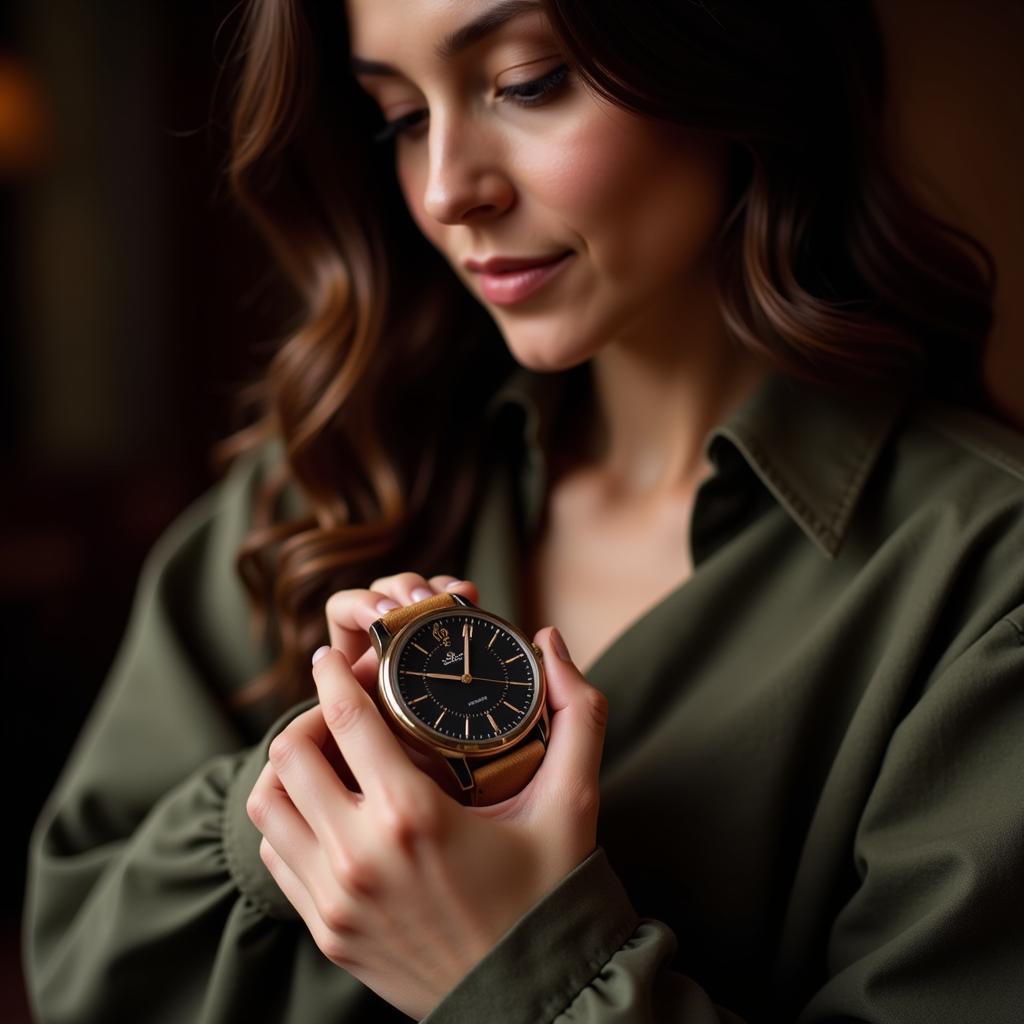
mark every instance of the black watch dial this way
{"type": "Point", "coordinates": [466, 677]}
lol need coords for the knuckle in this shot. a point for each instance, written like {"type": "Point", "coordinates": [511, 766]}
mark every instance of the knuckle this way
{"type": "Point", "coordinates": [588, 800]}
{"type": "Point", "coordinates": [596, 707]}
{"type": "Point", "coordinates": [335, 912]}
{"type": "Point", "coordinates": [407, 582]}
{"type": "Point", "coordinates": [335, 949]}
{"type": "Point", "coordinates": [341, 715]}
{"type": "Point", "coordinates": [337, 605]}
{"type": "Point", "coordinates": [360, 877]}
{"type": "Point", "coordinates": [409, 818]}
{"type": "Point", "coordinates": [582, 797]}
{"type": "Point", "coordinates": [258, 809]}
{"type": "Point", "coordinates": [281, 749]}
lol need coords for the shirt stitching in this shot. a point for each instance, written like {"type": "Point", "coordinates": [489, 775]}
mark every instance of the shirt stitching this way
{"type": "Point", "coordinates": [829, 530]}
{"type": "Point", "coordinates": [799, 505]}
{"type": "Point", "coordinates": [865, 461]}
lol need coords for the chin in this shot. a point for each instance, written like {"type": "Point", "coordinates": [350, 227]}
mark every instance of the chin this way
{"type": "Point", "coordinates": [548, 353]}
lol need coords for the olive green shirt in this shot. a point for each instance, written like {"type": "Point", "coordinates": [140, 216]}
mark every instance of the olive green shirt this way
{"type": "Point", "coordinates": [812, 789]}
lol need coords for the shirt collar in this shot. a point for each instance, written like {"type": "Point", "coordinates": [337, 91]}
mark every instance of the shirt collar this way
{"type": "Point", "coordinates": [811, 449]}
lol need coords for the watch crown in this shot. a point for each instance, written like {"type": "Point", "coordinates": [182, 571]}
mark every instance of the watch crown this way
{"type": "Point", "coordinates": [537, 651]}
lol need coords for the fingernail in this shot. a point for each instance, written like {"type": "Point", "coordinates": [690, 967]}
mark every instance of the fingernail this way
{"type": "Point", "coordinates": [386, 604]}
{"type": "Point", "coordinates": [320, 652]}
{"type": "Point", "coordinates": [421, 593]}
{"type": "Point", "coordinates": [454, 584]}
{"type": "Point", "coordinates": [559, 645]}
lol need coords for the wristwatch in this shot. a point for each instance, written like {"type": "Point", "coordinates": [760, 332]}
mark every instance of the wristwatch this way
{"type": "Point", "coordinates": [466, 686]}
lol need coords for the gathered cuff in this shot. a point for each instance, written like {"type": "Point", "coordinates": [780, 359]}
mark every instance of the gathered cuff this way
{"type": "Point", "coordinates": [242, 838]}
{"type": "Point", "coordinates": [550, 954]}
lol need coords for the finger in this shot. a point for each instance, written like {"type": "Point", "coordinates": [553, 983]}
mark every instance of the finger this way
{"type": "Point", "coordinates": [578, 723]}
{"type": "Point", "coordinates": [349, 615]}
{"type": "Point", "coordinates": [325, 741]}
{"type": "Point", "coordinates": [299, 897]}
{"type": "Point", "coordinates": [271, 810]}
{"type": "Point", "coordinates": [371, 750]}
{"type": "Point", "coordinates": [312, 722]}
{"type": "Point", "coordinates": [404, 587]}
{"type": "Point", "coordinates": [309, 780]}
{"type": "Point", "coordinates": [289, 883]}
{"type": "Point", "coordinates": [452, 584]}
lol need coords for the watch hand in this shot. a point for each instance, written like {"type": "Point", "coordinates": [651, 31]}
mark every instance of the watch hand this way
{"type": "Point", "coordinates": [441, 675]}
{"type": "Point", "coordinates": [465, 649]}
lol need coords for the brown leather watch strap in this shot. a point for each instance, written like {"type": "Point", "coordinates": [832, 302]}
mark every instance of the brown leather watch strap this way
{"type": "Point", "coordinates": [395, 619]}
{"type": "Point", "coordinates": [503, 777]}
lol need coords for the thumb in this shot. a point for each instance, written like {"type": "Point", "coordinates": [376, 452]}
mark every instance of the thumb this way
{"type": "Point", "coordinates": [578, 720]}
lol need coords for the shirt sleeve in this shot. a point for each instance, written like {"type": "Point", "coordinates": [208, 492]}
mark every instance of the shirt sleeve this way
{"type": "Point", "coordinates": [933, 932]}
{"type": "Point", "coordinates": [146, 898]}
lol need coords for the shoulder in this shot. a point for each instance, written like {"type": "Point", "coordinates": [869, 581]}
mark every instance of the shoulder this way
{"type": "Point", "coordinates": [976, 439]}
{"type": "Point", "coordinates": [190, 593]}
{"type": "Point", "coordinates": [946, 514]}
{"type": "Point", "coordinates": [947, 453]}
{"type": "Point", "coordinates": [219, 517]}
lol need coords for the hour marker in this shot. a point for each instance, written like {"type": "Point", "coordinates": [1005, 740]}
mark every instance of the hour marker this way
{"type": "Point", "coordinates": [494, 725]}
{"type": "Point", "coordinates": [505, 702]}
{"type": "Point", "coordinates": [494, 636]}
{"type": "Point", "coordinates": [418, 699]}
{"type": "Point", "coordinates": [467, 727]}
{"type": "Point", "coordinates": [519, 684]}
{"type": "Point", "coordinates": [467, 628]}
{"type": "Point", "coordinates": [516, 658]}
{"type": "Point", "coordinates": [439, 717]}
{"type": "Point", "coordinates": [418, 648]}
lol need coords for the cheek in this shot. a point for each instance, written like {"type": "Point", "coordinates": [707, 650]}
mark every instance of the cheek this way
{"type": "Point", "coordinates": [646, 199]}
{"type": "Point", "coordinates": [643, 199]}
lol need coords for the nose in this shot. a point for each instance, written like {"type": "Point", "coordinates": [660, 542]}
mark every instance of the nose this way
{"type": "Point", "coordinates": [465, 179]}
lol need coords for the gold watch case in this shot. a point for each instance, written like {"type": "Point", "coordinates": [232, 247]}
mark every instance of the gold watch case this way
{"type": "Point", "coordinates": [420, 735]}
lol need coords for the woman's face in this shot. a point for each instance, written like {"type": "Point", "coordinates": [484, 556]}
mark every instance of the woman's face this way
{"type": "Point", "coordinates": [488, 174]}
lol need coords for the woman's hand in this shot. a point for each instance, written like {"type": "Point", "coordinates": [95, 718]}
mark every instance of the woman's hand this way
{"type": "Point", "coordinates": [350, 613]}
{"type": "Point", "coordinates": [400, 884]}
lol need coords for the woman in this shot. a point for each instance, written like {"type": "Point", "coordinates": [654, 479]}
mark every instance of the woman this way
{"type": "Point", "coordinates": [732, 442]}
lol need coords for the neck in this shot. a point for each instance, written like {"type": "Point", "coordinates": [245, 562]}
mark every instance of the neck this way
{"type": "Point", "coordinates": [655, 395]}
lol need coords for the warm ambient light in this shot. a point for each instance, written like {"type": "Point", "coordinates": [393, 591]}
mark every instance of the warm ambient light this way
{"type": "Point", "coordinates": [24, 119]}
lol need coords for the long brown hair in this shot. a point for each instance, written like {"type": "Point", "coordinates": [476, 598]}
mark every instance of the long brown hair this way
{"type": "Point", "coordinates": [825, 264]}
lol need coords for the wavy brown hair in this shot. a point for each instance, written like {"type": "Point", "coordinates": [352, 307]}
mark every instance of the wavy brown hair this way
{"type": "Point", "coordinates": [825, 263]}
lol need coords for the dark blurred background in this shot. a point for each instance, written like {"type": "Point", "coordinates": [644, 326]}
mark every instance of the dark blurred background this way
{"type": "Point", "coordinates": [134, 300]}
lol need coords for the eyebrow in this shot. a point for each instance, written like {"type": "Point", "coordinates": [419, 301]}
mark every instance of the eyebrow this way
{"type": "Point", "coordinates": [461, 39]}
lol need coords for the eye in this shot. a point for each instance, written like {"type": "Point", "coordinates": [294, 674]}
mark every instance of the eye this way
{"type": "Point", "coordinates": [528, 93]}
{"type": "Point", "coordinates": [525, 94]}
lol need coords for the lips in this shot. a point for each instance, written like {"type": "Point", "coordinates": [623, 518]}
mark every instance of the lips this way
{"type": "Point", "coordinates": [504, 288]}
{"type": "Point", "coordinates": [509, 264]}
